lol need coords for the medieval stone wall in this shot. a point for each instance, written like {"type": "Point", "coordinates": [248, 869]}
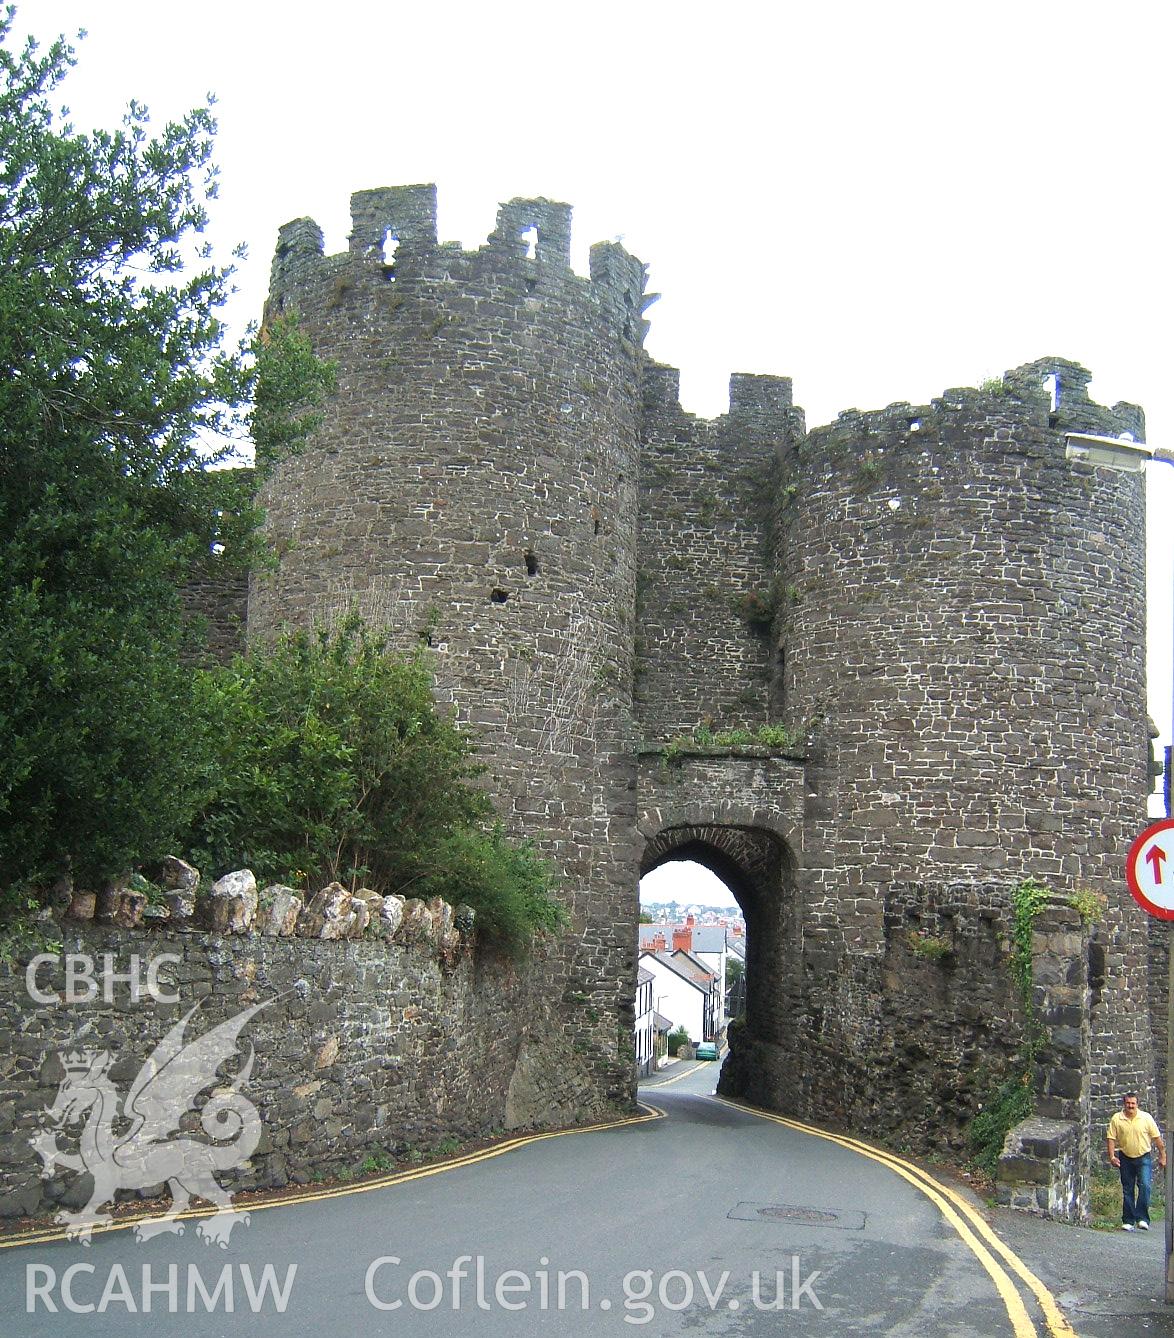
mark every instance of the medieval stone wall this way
{"type": "Point", "coordinates": [905, 1042]}
{"type": "Point", "coordinates": [946, 614]}
{"type": "Point", "coordinates": [705, 594]}
{"type": "Point", "coordinates": [366, 1049]}
{"type": "Point", "coordinates": [474, 485]}
{"type": "Point", "coordinates": [966, 645]}
{"type": "Point", "coordinates": [740, 813]}
{"type": "Point", "coordinates": [217, 604]}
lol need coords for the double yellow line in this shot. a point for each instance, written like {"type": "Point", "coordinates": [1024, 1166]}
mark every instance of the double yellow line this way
{"type": "Point", "coordinates": [961, 1215]}
{"type": "Point", "coordinates": [966, 1221]}
{"type": "Point", "coordinates": [668, 1082]}
{"type": "Point", "coordinates": [649, 1112]}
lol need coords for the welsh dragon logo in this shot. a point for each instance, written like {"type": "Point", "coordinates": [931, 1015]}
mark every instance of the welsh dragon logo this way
{"type": "Point", "coordinates": [148, 1148]}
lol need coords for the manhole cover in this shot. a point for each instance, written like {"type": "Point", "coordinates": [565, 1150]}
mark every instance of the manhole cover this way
{"type": "Point", "coordinates": [786, 1213]}
{"type": "Point", "coordinates": [841, 1219]}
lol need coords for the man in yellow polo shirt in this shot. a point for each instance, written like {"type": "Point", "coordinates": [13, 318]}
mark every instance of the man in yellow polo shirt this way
{"type": "Point", "coordinates": [1131, 1135]}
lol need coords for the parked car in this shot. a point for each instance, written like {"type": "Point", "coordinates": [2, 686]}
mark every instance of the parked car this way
{"type": "Point", "coordinates": [706, 1050]}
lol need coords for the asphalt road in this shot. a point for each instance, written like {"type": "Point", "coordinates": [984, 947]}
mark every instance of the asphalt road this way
{"type": "Point", "coordinates": [709, 1218]}
{"type": "Point", "coordinates": [1109, 1283]}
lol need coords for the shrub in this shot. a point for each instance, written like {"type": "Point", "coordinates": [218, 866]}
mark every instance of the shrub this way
{"type": "Point", "coordinates": [677, 1038]}
{"type": "Point", "coordinates": [1091, 906]}
{"type": "Point", "coordinates": [774, 736]}
{"type": "Point", "coordinates": [1010, 1102]}
{"type": "Point", "coordinates": [332, 763]}
{"type": "Point", "coordinates": [930, 947]}
{"type": "Point", "coordinates": [507, 883]}
{"type": "Point", "coordinates": [704, 739]}
{"type": "Point", "coordinates": [757, 607]}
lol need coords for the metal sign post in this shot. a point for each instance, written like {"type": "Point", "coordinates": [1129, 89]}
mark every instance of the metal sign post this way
{"type": "Point", "coordinates": [1169, 1181]}
{"type": "Point", "coordinates": [1153, 889]}
{"type": "Point", "coordinates": [1149, 871]}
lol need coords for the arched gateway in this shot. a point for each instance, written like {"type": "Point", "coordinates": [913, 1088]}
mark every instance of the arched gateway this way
{"type": "Point", "coordinates": [876, 675]}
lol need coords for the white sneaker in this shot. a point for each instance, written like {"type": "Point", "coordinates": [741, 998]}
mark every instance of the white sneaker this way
{"type": "Point", "coordinates": [1143, 1226]}
{"type": "Point", "coordinates": [1126, 1226]}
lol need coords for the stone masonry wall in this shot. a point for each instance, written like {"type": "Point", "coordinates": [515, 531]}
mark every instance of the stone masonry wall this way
{"type": "Point", "coordinates": [908, 1042]}
{"type": "Point", "coordinates": [705, 594]}
{"type": "Point", "coordinates": [474, 485]}
{"type": "Point", "coordinates": [215, 599]}
{"type": "Point", "coordinates": [1045, 1165]}
{"type": "Point", "coordinates": [966, 644]}
{"type": "Point", "coordinates": [367, 1049]}
{"type": "Point", "coordinates": [740, 814]}
{"type": "Point", "coordinates": [950, 623]}
{"type": "Point", "coordinates": [218, 602]}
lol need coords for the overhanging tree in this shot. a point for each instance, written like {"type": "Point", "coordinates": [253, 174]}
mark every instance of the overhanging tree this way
{"type": "Point", "coordinates": [117, 400]}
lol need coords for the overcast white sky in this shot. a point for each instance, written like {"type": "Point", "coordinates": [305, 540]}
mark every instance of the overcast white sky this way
{"type": "Point", "coordinates": [878, 200]}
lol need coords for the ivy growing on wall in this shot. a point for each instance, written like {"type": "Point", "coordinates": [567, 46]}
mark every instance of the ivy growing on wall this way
{"type": "Point", "coordinates": [1012, 1100]}
{"type": "Point", "coordinates": [1027, 900]}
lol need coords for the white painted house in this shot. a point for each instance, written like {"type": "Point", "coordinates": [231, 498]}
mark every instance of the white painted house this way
{"type": "Point", "coordinates": [645, 1023]}
{"type": "Point", "coordinates": [708, 944]}
{"type": "Point", "coordinates": [683, 991]}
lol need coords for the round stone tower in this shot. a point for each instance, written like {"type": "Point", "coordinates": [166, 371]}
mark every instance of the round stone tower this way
{"type": "Point", "coordinates": [474, 485]}
{"type": "Point", "coordinates": [963, 645]}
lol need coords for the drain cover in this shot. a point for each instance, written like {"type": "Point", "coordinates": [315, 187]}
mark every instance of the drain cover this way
{"type": "Point", "coordinates": [786, 1213]}
{"type": "Point", "coordinates": [798, 1215]}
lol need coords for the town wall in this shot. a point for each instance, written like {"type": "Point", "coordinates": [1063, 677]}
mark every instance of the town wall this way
{"type": "Point", "coordinates": [473, 485]}
{"type": "Point", "coordinates": [367, 1053]}
{"type": "Point", "coordinates": [704, 591]}
{"type": "Point", "coordinates": [965, 648]}
{"type": "Point", "coordinates": [905, 1042]}
{"type": "Point", "coordinates": [944, 614]}
{"type": "Point", "coordinates": [215, 601]}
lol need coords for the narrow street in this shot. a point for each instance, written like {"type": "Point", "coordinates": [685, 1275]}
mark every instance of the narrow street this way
{"type": "Point", "coordinates": [703, 1217]}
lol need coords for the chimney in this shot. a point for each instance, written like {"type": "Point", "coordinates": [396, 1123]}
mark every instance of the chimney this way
{"type": "Point", "coordinates": [689, 922]}
{"type": "Point", "coordinates": [683, 938]}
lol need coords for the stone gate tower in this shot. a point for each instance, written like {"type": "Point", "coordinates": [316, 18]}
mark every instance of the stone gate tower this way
{"type": "Point", "coordinates": [474, 484]}
{"type": "Point", "coordinates": [943, 614]}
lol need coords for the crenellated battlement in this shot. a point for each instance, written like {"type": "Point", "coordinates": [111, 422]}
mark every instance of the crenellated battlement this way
{"type": "Point", "coordinates": [405, 215]}
{"type": "Point", "coordinates": [1048, 394]}
{"type": "Point", "coordinates": [394, 241]}
{"type": "Point", "coordinates": [1063, 385]}
{"type": "Point", "coordinates": [764, 400]}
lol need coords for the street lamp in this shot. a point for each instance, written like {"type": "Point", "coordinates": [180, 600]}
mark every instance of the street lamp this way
{"type": "Point", "coordinates": [1122, 454]}
{"type": "Point", "coordinates": [1116, 452]}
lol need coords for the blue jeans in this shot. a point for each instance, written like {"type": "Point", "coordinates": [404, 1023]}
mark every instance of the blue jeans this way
{"type": "Point", "coordinates": [1136, 1174]}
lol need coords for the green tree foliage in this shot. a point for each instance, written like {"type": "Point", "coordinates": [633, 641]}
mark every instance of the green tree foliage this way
{"type": "Point", "coordinates": [116, 398]}
{"type": "Point", "coordinates": [332, 762]}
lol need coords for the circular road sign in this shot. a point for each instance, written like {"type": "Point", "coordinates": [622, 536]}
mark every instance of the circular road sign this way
{"type": "Point", "coordinates": [1149, 870]}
